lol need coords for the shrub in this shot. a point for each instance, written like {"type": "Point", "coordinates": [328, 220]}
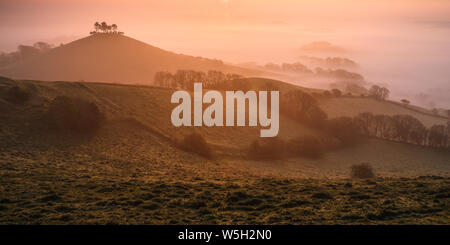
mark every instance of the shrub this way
{"type": "Point", "coordinates": [405, 102]}
{"type": "Point", "coordinates": [196, 143]}
{"type": "Point", "coordinates": [267, 149]}
{"type": "Point", "coordinates": [322, 195]}
{"type": "Point", "coordinates": [17, 95]}
{"type": "Point", "coordinates": [307, 146]}
{"type": "Point", "coordinates": [73, 114]}
{"type": "Point", "coordinates": [362, 171]}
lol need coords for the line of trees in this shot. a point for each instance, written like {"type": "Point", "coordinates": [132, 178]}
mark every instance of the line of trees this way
{"type": "Point", "coordinates": [299, 68]}
{"type": "Point", "coordinates": [105, 28]}
{"type": "Point", "coordinates": [403, 128]}
{"type": "Point", "coordinates": [304, 109]}
{"type": "Point", "coordinates": [330, 62]}
{"type": "Point", "coordinates": [185, 79]}
{"type": "Point", "coordinates": [289, 67]}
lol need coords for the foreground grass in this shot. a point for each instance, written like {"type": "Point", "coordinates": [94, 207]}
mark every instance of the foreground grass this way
{"type": "Point", "coordinates": [88, 199]}
{"type": "Point", "coordinates": [128, 176]}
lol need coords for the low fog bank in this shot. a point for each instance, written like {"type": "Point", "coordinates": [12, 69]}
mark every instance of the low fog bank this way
{"type": "Point", "coordinates": [421, 76]}
{"type": "Point", "coordinates": [410, 59]}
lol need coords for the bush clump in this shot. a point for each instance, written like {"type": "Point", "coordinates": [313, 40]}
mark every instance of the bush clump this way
{"type": "Point", "coordinates": [267, 149]}
{"type": "Point", "coordinates": [307, 146]}
{"type": "Point", "coordinates": [362, 171]}
{"type": "Point", "coordinates": [74, 114]}
{"type": "Point", "coordinates": [17, 95]}
{"type": "Point", "coordinates": [196, 143]}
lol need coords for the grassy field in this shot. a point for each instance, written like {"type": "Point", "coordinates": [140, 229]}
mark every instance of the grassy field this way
{"type": "Point", "coordinates": [127, 176]}
{"type": "Point", "coordinates": [130, 172]}
{"type": "Point", "coordinates": [352, 106]}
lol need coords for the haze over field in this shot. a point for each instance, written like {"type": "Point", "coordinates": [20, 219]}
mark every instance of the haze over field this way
{"type": "Point", "coordinates": [401, 44]}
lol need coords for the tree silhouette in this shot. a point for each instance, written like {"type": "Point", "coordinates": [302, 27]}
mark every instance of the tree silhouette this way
{"type": "Point", "coordinates": [437, 136]}
{"type": "Point", "coordinates": [114, 28]}
{"type": "Point", "coordinates": [97, 26]}
{"type": "Point", "coordinates": [379, 93]}
{"type": "Point", "coordinates": [105, 28]}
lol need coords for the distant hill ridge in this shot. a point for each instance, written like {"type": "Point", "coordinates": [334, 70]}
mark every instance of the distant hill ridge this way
{"type": "Point", "coordinates": [110, 58]}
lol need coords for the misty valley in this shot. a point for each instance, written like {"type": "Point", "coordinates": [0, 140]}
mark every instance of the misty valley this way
{"type": "Point", "coordinates": [284, 129]}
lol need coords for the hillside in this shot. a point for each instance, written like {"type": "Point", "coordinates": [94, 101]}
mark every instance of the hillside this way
{"type": "Point", "coordinates": [110, 58]}
{"type": "Point", "coordinates": [352, 106]}
{"type": "Point", "coordinates": [131, 172]}
{"type": "Point", "coordinates": [148, 108]}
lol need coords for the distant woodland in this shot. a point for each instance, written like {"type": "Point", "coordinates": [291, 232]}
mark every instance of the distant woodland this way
{"type": "Point", "coordinates": [24, 52]}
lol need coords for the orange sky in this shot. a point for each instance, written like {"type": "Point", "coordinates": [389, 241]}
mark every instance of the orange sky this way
{"type": "Point", "coordinates": [186, 25]}
{"type": "Point", "coordinates": [396, 40]}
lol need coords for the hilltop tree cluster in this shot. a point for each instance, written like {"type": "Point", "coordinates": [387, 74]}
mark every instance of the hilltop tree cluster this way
{"type": "Point", "coordinates": [185, 79]}
{"type": "Point", "coordinates": [105, 28]}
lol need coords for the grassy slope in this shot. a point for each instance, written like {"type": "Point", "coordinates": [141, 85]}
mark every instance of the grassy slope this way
{"type": "Point", "coordinates": [352, 106]}
{"type": "Point", "coordinates": [127, 175]}
{"type": "Point", "coordinates": [130, 173]}
{"type": "Point", "coordinates": [149, 108]}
